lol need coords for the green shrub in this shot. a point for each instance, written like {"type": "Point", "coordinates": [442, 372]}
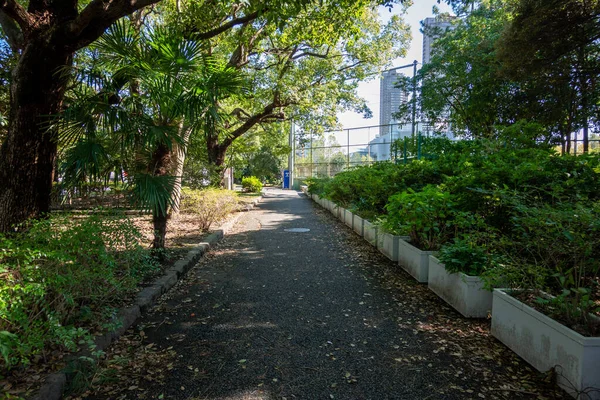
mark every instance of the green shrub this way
{"type": "Point", "coordinates": [62, 278]}
{"type": "Point", "coordinates": [252, 184]}
{"type": "Point", "coordinates": [429, 217]}
{"type": "Point", "coordinates": [471, 253]}
{"type": "Point", "coordinates": [365, 190]}
{"type": "Point", "coordinates": [209, 205]}
{"type": "Point", "coordinates": [556, 248]}
{"type": "Point", "coordinates": [316, 185]}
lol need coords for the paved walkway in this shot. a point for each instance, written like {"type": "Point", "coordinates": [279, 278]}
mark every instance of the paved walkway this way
{"type": "Point", "coordinates": [271, 314]}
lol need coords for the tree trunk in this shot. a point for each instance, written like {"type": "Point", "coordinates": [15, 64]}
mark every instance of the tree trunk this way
{"type": "Point", "coordinates": [216, 159]}
{"type": "Point", "coordinates": [28, 154]}
{"type": "Point", "coordinates": [161, 165]}
{"type": "Point", "coordinates": [180, 152]}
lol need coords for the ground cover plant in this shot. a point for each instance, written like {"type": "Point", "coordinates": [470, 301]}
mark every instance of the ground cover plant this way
{"type": "Point", "coordinates": [63, 278]}
{"type": "Point", "coordinates": [519, 215]}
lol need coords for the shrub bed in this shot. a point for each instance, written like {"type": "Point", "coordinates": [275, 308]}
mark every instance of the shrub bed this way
{"type": "Point", "coordinates": [522, 217]}
{"type": "Point", "coordinates": [61, 280]}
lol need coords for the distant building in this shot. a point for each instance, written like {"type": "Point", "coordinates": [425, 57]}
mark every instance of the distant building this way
{"type": "Point", "coordinates": [432, 29]}
{"type": "Point", "coordinates": [390, 98]}
{"type": "Point", "coordinates": [380, 147]}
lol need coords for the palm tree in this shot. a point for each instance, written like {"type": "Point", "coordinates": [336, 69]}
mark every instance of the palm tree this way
{"type": "Point", "coordinates": [146, 91]}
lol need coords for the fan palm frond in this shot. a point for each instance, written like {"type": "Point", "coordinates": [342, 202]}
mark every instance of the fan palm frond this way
{"type": "Point", "coordinates": [153, 193]}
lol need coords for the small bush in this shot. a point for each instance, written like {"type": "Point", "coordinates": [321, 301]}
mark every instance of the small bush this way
{"type": "Point", "coordinates": [252, 184]}
{"type": "Point", "coordinates": [63, 277]}
{"type": "Point", "coordinates": [472, 253]}
{"type": "Point", "coordinates": [317, 185]}
{"type": "Point", "coordinates": [209, 205]}
{"type": "Point", "coordinates": [562, 244]}
{"type": "Point", "coordinates": [429, 217]}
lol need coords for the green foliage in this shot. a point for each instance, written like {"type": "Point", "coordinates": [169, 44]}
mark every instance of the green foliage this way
{"type": "Point", "coordinates": [564, 239]}
{"type": "Point", "coordinates": [528, 62]}
{"type": "Point", "coordinates": [208, 205]}
{"type": "Point", "coordinates": [429, 216]}
{"type": "Point", "coordinates": [472, 253]}
{"type": "Point", "coordinates": [252, 184]}
{"type": "Point", "coordinates": [317, 185]}
{"type": "Point", "coordinates": [62, 277]}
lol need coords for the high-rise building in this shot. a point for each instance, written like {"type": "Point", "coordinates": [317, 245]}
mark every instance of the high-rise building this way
{"type": "Point", "coordinates": [432, 29]}
{"type": "Point", "coordinates": [390, 99]}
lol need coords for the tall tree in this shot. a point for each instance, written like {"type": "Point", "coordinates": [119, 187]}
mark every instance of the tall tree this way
{"type": "Point", "coordinates": [551, 40]}
{"type": "Point", "coordinates": [309, 67]}
{"type": "Point", "coordinates": [45, 35]}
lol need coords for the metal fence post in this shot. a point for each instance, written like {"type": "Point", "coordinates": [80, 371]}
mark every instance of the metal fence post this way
{"type": "Point", "coordinates": [311, 155]}
{"type": "Point", "coordinates": [348, 148]}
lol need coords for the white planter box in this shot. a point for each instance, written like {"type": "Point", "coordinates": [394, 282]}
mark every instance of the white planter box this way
{"type": "Point", "coordinates": [341, 211]}
{"type": "Point", "coordinates": [333, 208]}
{"type": "Point", "coordinates": [348, 218]}
{"type": "Point", "coordinates": [357, 224]}
{"type": "Point", "coordinates": [545, 343]}
{"type": "Point", "coordinates": [328, 205]}
{"type": "Point", "coordinates": [463, 292]}
{"type": "Point", "coordinates": [389, 244]}
{"type": "Point", "coordinates": [414, 261]}
{"type": "Point", "coordinates": [370, 232]}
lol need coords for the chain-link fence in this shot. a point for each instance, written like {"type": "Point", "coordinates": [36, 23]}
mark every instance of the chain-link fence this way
{"type": "Point", "coordinates": [325, 155]}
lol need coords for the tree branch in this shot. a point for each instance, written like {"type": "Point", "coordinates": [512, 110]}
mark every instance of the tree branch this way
{"type": "Point", "coordinates": [228, 25]}
{"type": "Point", "coordinates": [15, 11]}
{"type": "Point", "coordinates": [356, 64]}
{"type": "Point", "coordinates": [14, 34]}
{"type": "Point", "coordinates": [266, 113]}
{"type": "Point", "coordinates": [311, 54]}
{"type": "Point", "coordinates": [98, 16]}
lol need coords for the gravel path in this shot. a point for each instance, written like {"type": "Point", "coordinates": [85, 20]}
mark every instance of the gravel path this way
{"type": "Point", "coordinates": [271, 314]}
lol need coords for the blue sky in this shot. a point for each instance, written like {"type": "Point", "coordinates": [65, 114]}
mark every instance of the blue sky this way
{"type": "Point", "coordinates": [370, 90]}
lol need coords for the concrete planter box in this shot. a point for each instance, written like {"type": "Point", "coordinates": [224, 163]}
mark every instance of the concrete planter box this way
{"type": "Point", "coordinates": [332, 207]}
{"type": "Point", "coordinates": [463, 292]}
{"type": "Point", "coordinates": [328, 205]}
{"type": "Point", "coordinates": [315, 198]}
{"type": "Point", "coordinates": [414, 261]}
{"type": "Point", "coordinates": [357, 224]}
{"type": "Point", "coordinates": [341, 211]}
{"type": "Point", "coordinates": [348, 218]}
{"type": "Point", "coordinates": [389, 245]}
{"type": "Point", "coordinates": [545, 343]}
{"type": "Point", "coordinates": [370, 232]}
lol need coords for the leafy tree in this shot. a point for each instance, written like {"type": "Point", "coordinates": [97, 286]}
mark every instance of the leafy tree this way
{"type": "Point", "coordinates": [44, 35]}
{"type": "Point", "coordinates": [310, 67]}
{"type": "Point", "coordinates": [557, 41]}
{"type": "Point", "coordinates": [467, 84]}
